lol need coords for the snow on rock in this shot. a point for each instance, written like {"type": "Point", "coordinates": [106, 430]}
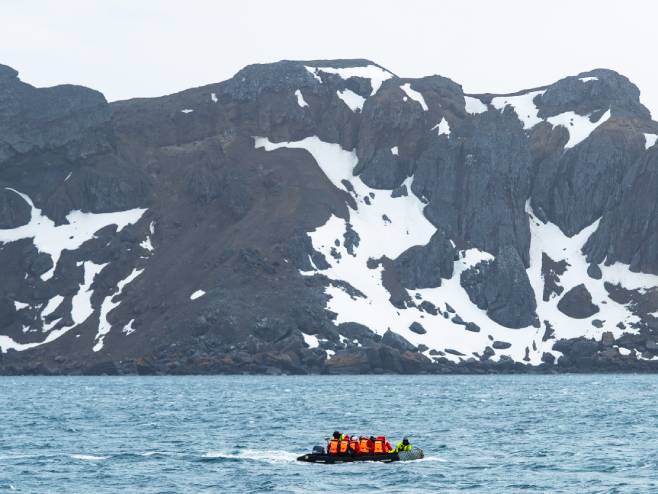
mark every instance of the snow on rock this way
{"type": "Point", "coordinates": [414, 95]}
{"type": "Point", "coordinates": [68, 176]}
{"type": "Point", "coordinates": [351, 99]}
{"type": "Point", "coordinates": [375, 74]}
{"type": "Point", "coordinates": [649, 140]}
{"type": "Point", "coordinates": [548, 238]}
{"type": "Point", "coordinates": [314, 72]}
{"type": "Point", "coordinates": [300, 99]}
{"type": "Point", "coordinates": [213, 97]}
{"type": "Point", "coordinates": [394, 151]}
{"type": "Point", "coordinates": [409, 228]}
{"type": "Point", "coordinates": [588, 79]}
{"type": "Point", "coordinates": [20, 305]}
{"type": "Point", "coordinates": [197, 294]}
{"type": "Point", "coordinates": [442, 128]}
{"type": "Point", "coordinates": [579, 126]}
{"type": "Point", "coordinates": [187, 110]}
{"type": "Point", "coordinates": [311, 340]}
{"type": "Point", "coordinates": [52, 239]}
{"type": "Point", "coordinates": [128, 328]}
{"type": "Point", "coordinates": [108, 304]}
{"type": "Point", "coordinates": [523, 105]}
{"type": "Point", "coordinates": [474, 106]}
{"type": "Point", "coordinates": [81, 303]}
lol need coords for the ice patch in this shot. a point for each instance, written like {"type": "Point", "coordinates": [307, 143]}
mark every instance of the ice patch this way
{"type": "Point", "coordinates": [351, 99]}
{"type": "Point", "coordinates": [394, 150]}
{"type": "Point", "coordinates": [442, 128]}
{"type": "Point", "coordinates": [197, 294]}
{"type": "Point", "coordinates": [300, 99]}
{"type": "Point", "coordinates": [53, 239]}
{"type": "Point", "coordinates": [650, 140]}
{"type": "Point", "coordinates": [311, 340]}
{"type": "Point", "coordinates": [375, 74]}
{"type": "Point", "coordinates": [474, 106]}
{"type": "Point", "coordinates": [414, 95]}
{"type": "Point", "coordinates": [579, 126]}
{"type": "Point", "coordinates": [523, 106]}
{"type": "Point", "coordinates": [108, 304]}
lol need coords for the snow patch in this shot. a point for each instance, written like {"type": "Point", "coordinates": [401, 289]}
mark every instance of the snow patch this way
{"type": "Point", "coordinates": [474, 106]}
{"type": "Point", "coordinates": [579, 126]}
{"type": "Point", "coordinates": [108, 304]}
{"type": "Point", "coordinates": [523, 105]}
{"type": "Point", "coordinates": [213, 97]}
{"type": "Point", "coordinates": [81, 303]}
{"type": "Point", "coordinates": [68, 176]}
{"type": "Point", "coordinates": [187, 110]}
{"type": "Point", "coordinates": [300, 99]}
{"type": "Point", "coordinates": [351, 99]}
{"type": "Point", "coordinates": [442, 128]}
{"type": "Point", "coordinates": [314, 72]}
{"type": "Point", "coordinates": [53, 239]}
{"type": "Point", "coordinates": [20, 305]}
{"type": "Point", "coordinates": [414, 95]}
{"type": "Point", "coordinates": [650, 140]}
{"type": "Point", "coordinates": [588, 79]}
{"type": "Point", "coordinates": [128, 328]}
{"type": "Point", "coordinates": [394, 150]}
{"type": "Point", "coordinates": [197, 294]}
{"type": "Point", "coordinates": [311, 340]}
{"type": "Point", "coordinates": [375, 74]}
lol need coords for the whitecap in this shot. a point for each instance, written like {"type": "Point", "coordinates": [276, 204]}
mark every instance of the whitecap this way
{"type": "Point", "coordinates": [89, 457]}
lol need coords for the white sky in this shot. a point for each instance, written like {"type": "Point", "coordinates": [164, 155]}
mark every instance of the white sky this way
{"type": "Point", "coordinates": [129, 48]}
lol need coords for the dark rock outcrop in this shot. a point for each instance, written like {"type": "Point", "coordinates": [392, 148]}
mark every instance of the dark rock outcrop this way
{"type": "Point", "coordinates": [501, 287]}
{"type": "Point", "coordinates": [577, 303]}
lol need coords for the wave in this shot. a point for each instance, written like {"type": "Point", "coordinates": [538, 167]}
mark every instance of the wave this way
{"type": "Point", "coordinates": [264, 455]}
{"type": "Point", "coordinates": [89, 457]}
{"type": "Point", "coordinates": [434, 458]}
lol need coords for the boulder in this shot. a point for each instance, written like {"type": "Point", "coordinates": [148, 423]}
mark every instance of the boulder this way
{"type": "Point", "coordinates": [577, 303]}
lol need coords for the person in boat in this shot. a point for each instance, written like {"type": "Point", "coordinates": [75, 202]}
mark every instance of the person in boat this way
{"type": "Point", "coordinates": [381, 445]}
{"type": "Point", "coordinates": [366, 445]}
{"type": "Point", "coordinates": [403, 445]}
{"type": "Point", "coordinates": [339, 444]}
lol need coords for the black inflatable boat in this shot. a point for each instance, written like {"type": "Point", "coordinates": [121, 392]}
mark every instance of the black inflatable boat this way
{"type": "Point", "coordinates": [414, 454]}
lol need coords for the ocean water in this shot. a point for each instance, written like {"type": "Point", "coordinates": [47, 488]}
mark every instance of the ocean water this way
{"type": "Point", "coordinates": [491, 434]}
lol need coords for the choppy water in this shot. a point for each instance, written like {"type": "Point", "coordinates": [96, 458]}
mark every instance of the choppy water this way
{"type": "Point", "coordinates": [493, 434]}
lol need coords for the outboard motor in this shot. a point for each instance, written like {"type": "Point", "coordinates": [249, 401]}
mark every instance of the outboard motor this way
{"type": "Point", "coordinates": [318, 450]}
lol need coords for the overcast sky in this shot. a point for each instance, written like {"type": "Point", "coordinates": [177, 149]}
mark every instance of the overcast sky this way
{"type": "Point", "coordinates": [129, 48]}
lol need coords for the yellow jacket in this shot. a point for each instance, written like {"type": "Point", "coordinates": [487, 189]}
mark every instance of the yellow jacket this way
{"type": "Point", "coordinates": [401, 447]}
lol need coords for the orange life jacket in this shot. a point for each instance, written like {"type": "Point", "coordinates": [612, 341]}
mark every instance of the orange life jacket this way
{"type": "Point", "coordinates": [379, 446]}
{"type": "Point", "coordinates": [332, 447]}
{"type": "Point", "coordinates": [343, 446]}
{"type": "Point", "coordinates": [364, 446]}
{"type": "Point", "coordinates": [354, 445]}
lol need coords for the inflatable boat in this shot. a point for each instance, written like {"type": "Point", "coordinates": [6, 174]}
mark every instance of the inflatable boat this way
{"type": "Point", "coordinates": [317, 457]}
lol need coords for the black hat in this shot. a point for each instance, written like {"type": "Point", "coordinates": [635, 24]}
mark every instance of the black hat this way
{"type": "Point", "coordinates": [336, 435]}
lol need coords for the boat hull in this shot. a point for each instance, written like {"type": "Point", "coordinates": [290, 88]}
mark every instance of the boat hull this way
{"type": "Point", "coordinates": [414, 454]}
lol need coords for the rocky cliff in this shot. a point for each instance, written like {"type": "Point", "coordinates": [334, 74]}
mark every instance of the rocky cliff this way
{"type": "Point", "coordinates": [329, 217]}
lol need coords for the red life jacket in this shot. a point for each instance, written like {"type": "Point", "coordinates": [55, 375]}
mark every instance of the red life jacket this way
{"type": "Point", "coordinates": [354, 445]}
{"type": "Point", "coordinates": [332, 447]}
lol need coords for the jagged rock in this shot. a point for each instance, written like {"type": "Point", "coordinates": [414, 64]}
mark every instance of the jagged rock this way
{"type": "Point", "coordinates": [424, 266]}
{"type": "Point", "coordinates": [577, 303]}
{"type": "Point", "coordinates": [594, 272]}
{"type": "Point", "coordinates": [429, 307]}
{"type": "Point", "coordinates": [501, 345]}
{"type": "Point", "coordinates": [551, 272]}
{"type": "Point", "coordinates": [607, 339]}
{"type": "Point", "coordinates": [502, 289]}
{"type": "Point", "coordinates": [14, 211]}
{"type": "Point", "coordinates": [396, 341]}
{"type": "Point", "coordinates": [417, 328]}
{"type": "Point", "coordinates": [471, 326]}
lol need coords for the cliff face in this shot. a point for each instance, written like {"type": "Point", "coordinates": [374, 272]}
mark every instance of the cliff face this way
{"type": "Point", "coordinates": [328, 216]}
